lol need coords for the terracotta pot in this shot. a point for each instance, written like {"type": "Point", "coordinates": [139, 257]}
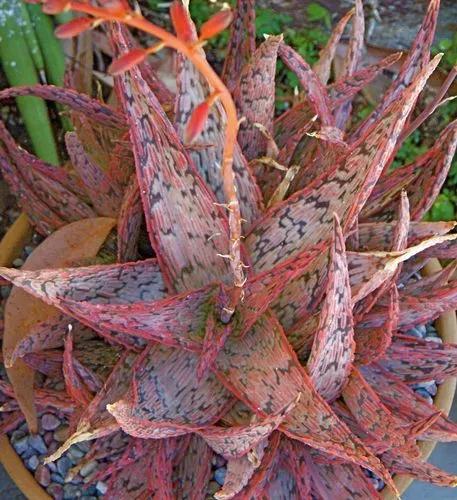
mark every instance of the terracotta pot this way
{"type": "Point", "coordinates": [11, 247]}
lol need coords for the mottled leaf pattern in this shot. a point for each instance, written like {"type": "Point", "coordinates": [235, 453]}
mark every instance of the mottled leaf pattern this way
{"type": "Point", "coordinates": [129, 223]}
{"type": "Point", "coordinates": [241, 45]}
{"type": "Point", "coordinates": [333, 349]}
{"type": "Point", "coordinates": [254, 96]}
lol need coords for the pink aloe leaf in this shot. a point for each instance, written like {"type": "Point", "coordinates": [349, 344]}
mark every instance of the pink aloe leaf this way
{"type": "Point", "coordinates": [423, 179]}
{"type": "Point", "coordinates": [241, 45]}
{"type": "Point", "coordinates": [234, 442]}
{"type": "Point", "coordinates": [332, 480]}
{"type": "Point", "coordinates": [332, 354]}
{"type": "Point", "coordinates": [254, 96]}
{"type": "Point", "coordinates": [193, 471]}
{"type": "Point", "coordinates": [296, 458]}
{"type": "Point", "coordinates": [267, 345]}
{"type": "Point", "coordinates": [176, 321]}
{"type": "Point", "coordinates": [129, 223]}
{"type": "Point", "coordinates": [344, 190]}
{"type": "Point", "coordinates": [186, 229]}
{"type": "Point", "coordinates": [375, 236]}
{"type": "Point", "coordinates": [352, 60]}
{"type": "Point", "coordinates": [317, 95]}
{"type": "Point", "coordinates": [415, 62]}
{"type": "Point", "coordinates": [96, 421]}
{"type": "Point", "coordinates": [240, 471]}
{"type": "Point", "coordinates": [415, 360]}
{"type": "Point", "coordinates": [192, 91]}
{"type": "Point", "coordinates": [323, 66]}
{"type": "Point", "coordinates": [418, 469]}
{"type": "Point", "coordinates": [103, 193]}
{"type": "Point", "coordinates": [369, 412]}
{"type": "Point", "coordinates": [408, 405]}
{"type": "Point", "coordinates": [160, 401]}
{"type": "Point", "coordinates": [372, 343]}
{"type": "Point", "coordinates": [75, 388]}
{"type": "Point", "coordinates": [80, 103]}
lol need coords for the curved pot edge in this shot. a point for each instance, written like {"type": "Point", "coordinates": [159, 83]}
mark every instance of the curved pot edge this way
{"type": "Point", "coordinates": [15, 239]}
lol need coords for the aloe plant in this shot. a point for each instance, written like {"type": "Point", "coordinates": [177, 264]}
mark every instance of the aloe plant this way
{"type": "Point", "coordinates": [274, 337]}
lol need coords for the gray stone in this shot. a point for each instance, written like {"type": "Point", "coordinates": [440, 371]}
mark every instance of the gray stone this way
{"type": "Point", "coordinates": [75, 454]}
{"type": "Point", "coordinates": [88, 468]}
{"type": "Point", "coordinates": [52, 467]}
{"type": "Point", "coordinates": [63, 465]}
{"type": "Point", "coordinates": [38, 444]}
{"type": "Point", "coordinates": [57, 478]}
{"type": "Point", "coordinates": [101, 487]}
{"type": "Point", "coordinates": [213, 487]}
{"type": "Point", "coordinates": [71, 491]}
{"type": "Point", "coordinates": [423, 392]}
{"type": "Point", "coordinates": [49, 422]}
{"type": "Point", "coordinates": [218, 461]}
{"type": "Point", "coordinates": [43, 476]}
{"type": "Point", "coordinates": [18, 262]}
{"type": "Point", "coordinates": [219, 475]}
{"type": "Point", "coordinates": [5, 291]}
{"type": "Point", "coordinates": [21, 445]}
{"type": "Point", "coordinates": [56, 491]}
{"type": "Point", "coordinates": [33, 462]}
{"type": "Point", "coordinates": [84, 446]}
{"type": "Point", "coordinates": [16, 435]}
{"type": "Point", "coordinates": [434, 339]}
{"type": "Point", "coordinates": [48, 438]}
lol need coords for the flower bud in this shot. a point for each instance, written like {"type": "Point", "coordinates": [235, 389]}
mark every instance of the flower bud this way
{"type": "Point", "coordinates": [181, 22]}
{"type": "Point", "coordinates": [127, 61]}
{"type": "Point", "coordinates": [196, 122]}
{"type": "Point", "coordinates": [216, 24]}
{"type": "Point", "coordinates": [74, 27]}
{"type": "Point", "coordinates": [55, 6]}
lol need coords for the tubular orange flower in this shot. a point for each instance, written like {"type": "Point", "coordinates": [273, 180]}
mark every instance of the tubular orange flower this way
{"type": "Point", "coordinates": [181, 22]}
{"type": "Point", "coordinates": [197, 122]}
{"type": "Point", "coordinates": [74, 27]}
{"type": "Point", "coordinates": [215, 24]}
{"type": "Point", "coordinates": [127, 61]}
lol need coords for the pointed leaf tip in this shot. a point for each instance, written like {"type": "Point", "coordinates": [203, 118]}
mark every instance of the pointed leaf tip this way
{"type": "Point", "coordinates": [196, 122]}
{"type": "Point", "coordinates": [74, 27]}
{"type": "Point", "coordinates": [215, 24]}
{"type": "Point", "coordinates": [127, 61]}
{"type": "Point", "coordinates": [181, 22]}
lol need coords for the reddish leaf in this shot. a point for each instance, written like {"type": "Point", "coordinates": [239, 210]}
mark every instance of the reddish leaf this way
{"type": "Point", "coordinates": [173, 194]}
{"type": "Point", "coordinates": [241, 45]}
{"type": "Point", "coordinates": [418, 469]}
{"type": "Point", "coordinates": [344, 191]}
{"type": "Point", "coordinates": [415, 62]}
{"type": "Point", "coordinates": [55, 6]}
{"type": "Point", "coordinates": [167, 395]}
{"type": "Point", "coordinates": [192, 90]}
{"type": "Point", "coordinates": [408, 405]}
{"type": "Point", "coordinates": [317, 96]}
{"type": "Point", "coordinates": [81, 103]}
{"type": "Point", "coordinates": [296, 457]}
{"type": "Point", "coordinates": [240, 471]}
{"type": "Point", "coordinates": [103, 193]}
{"type": "Point", "coordinates": [370, 413]}
{"type": "Point", "coordinates": [415, 360]}
{"type": "Point", "coordinates": [352, 60]}
{"type": "Point", "coordinates": [326, 55]}
{"type": "Point", "coordinates": [129, 223]}
{"type": "Point", "coordinates": [193, 471]}
{"type": "Point", "coordinates": [333, 349]}
{"type": "Point", "coordinates": [423, 179]}
{"type": "Point", "coordinates": [270, 354]}
{"type": "Point", "coordinates": [73, 385]}
{"type": "Point", "coordinates": [255, 98]}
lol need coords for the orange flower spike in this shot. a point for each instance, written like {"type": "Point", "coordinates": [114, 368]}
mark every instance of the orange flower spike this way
{"type": "Point", "coordinates": [127, 61]}
{"type": "Point", "coordinates": [181, 22]}
{"type": "Point", "coordinates": [75, 27]}
{"type": "Point", "coordinates": [56, 6]}
{"type": "Point", "coordinates": [215, 24]}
